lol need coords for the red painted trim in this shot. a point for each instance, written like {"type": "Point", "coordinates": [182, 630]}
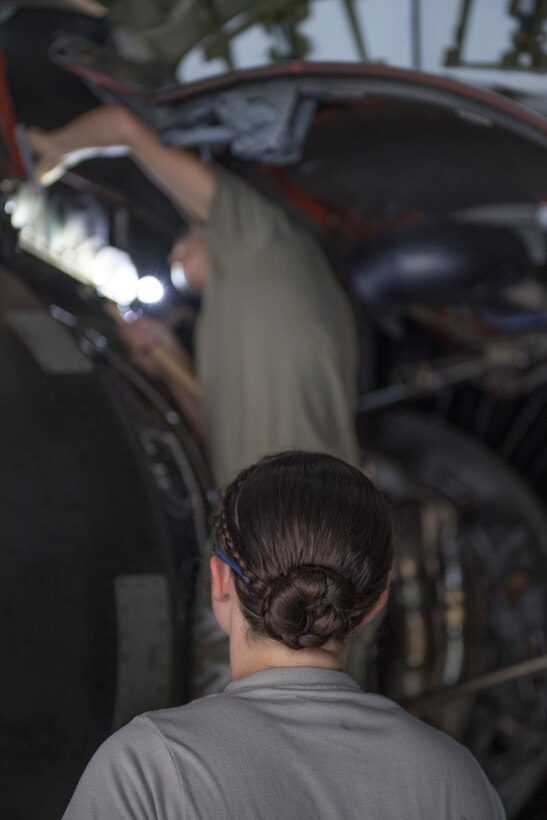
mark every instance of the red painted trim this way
{"type": "Point", "coordinates": [491, 100]}
{"type": "Point", "coordinates": [11, 163]}
{"type": "Point", "coordinates": [330, 215]}
{"type": "Point", "coordinates": [351, 70]}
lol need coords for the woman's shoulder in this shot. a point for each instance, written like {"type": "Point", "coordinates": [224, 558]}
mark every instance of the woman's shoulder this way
{"type": "Point", "coordinates": [170, 721]}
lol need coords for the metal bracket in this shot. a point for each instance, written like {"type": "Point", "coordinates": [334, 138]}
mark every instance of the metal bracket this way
{"type": "Point", "coordinates": [260, 124]}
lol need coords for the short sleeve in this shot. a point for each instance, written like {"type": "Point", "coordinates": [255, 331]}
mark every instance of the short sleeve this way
{"type": "Point", "coordinates": [131, 775]}
{"type": "Point", "coordinates": [243, 225]}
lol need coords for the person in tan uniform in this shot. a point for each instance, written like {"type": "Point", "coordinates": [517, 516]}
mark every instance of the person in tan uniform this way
{"type": "Point", "coordinates": [276, 342]}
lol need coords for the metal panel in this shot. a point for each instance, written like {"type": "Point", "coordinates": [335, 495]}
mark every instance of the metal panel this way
{"type": "Point", "coordinates": [145, 645]}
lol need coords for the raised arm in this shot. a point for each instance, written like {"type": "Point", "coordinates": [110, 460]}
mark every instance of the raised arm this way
{"type": "Point", "coordinates": [113, 130]}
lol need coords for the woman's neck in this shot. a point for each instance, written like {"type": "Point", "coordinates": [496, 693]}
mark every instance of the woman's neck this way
{"type": "Point", "coordinates": [249, 655]}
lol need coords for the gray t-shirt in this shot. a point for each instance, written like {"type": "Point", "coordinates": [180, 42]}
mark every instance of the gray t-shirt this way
{"type": "Point", "coordinates": [289, 744]}
{"type": "Point", "coordinates": [276, 342]}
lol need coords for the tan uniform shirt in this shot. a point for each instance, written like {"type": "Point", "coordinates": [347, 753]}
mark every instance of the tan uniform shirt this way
{"type": "Point", "coordinates": [276, 340]}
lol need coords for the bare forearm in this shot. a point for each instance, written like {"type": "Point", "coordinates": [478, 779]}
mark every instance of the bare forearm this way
{"type": "Point", "coordinates": [184, 178]}
{"type": "Point", "coordinates": [103, 130]}
{"type": "Point", "coordinates": [113, 129]}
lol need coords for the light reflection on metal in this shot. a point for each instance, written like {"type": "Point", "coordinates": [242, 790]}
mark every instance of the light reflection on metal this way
{"type": "Point", "coordinates": [178, 276]}
{"type": "Point", "coordinates": [67, 245]}
{"type": "Point", "coordinates": [149, 290]}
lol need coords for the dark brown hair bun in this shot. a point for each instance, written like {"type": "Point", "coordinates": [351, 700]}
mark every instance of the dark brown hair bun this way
{"type": "Point", "coordinates": [308, 607]}
{"type": "Point", "coordinates": [312, 538]}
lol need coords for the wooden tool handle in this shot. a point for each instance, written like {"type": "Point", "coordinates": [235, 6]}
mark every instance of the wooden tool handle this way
{"type": "Point", "coordinates": [175, 372]}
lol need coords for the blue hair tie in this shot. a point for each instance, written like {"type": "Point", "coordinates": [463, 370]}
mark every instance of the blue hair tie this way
{"type": "Point", "coordinates": [231, 563]}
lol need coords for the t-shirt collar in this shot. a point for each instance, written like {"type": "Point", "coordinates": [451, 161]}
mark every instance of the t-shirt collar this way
{"type": "Point", "coordinates": [294, 676]}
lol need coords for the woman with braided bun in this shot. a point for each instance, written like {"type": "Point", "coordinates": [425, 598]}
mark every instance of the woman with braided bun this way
{"type": "Point", "coordinates": [303, 547]}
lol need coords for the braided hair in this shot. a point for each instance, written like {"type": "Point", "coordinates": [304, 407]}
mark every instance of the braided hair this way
{"type": "Point", "coordinates": [313, 539]}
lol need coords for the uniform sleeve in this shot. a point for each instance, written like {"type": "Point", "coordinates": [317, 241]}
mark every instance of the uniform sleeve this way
{"type": "Point", "coordinates": [478, 798]}
{"type": "Point", "coordinates": [243, 226]}
{"type": "Point", "coordinates": [132, 775]}
{"type": "Point", "coordinates": [497, 812]}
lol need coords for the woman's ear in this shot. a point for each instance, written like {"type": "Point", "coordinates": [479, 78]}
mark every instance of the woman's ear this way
{"type": "Point", "coordinates": [378, 606]}
{"type": "Point", "coordinates": [222, 593]}
{"type": "Point", "coordinates": [221, 587]}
